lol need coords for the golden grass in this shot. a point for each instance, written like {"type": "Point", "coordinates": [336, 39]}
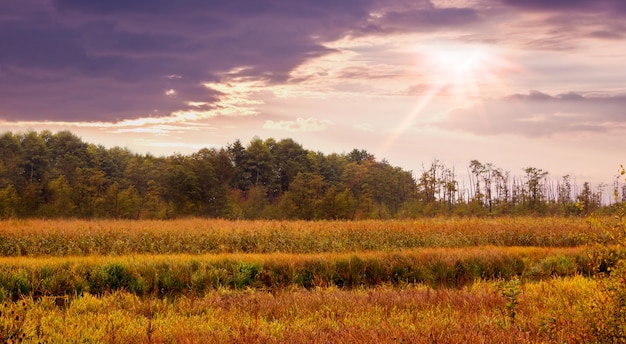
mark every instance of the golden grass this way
{"type": "Point", "coordinates": [548, 311]}
{"type": "Point", "coordinates": [444, 254]}
{"type": "Point", "coordinates": [530, 225]}
{"type": "Point", "coordinates": [197, 236]}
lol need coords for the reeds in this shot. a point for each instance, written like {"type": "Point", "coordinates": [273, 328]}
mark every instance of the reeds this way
{"type": "Point", "coordinates": [196, 236]}
{"type": "Point", "coordinates": [549, 311]}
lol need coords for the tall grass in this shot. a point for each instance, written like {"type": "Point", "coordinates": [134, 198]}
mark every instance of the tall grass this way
{"type": "Point", "coordinates": [197, 236]}
{"type": "Point", "coordinates": [193, 274]}
{"type": "Point", "coordinates": [549, 311]}
{"type": "Point", "coordinates": [504, 280]}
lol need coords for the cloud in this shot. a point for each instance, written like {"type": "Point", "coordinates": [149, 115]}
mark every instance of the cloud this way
{"type": "Point", "coordinates": [92, 60]}
{"type": "Point", "coordinates": [568, 5]}
{"type": "Point", "coordinates": [538, 114]}
{"type": "Point", "coordinates": [416, 16]}
{"type": "Point", "coordinates": [429, 90]}
{"type": "Point", "coordinates": [592, 98]}
{"type": "Point", "coordinates": [368, 127]}
{"type": "Point", "coordinates": [105, 61]}
{"type": "Point", "coordinates": [605, 34]}
{"type": "Point", "coordinates": [552, 4]}
{"type": "Point", "coordinates": [300, 124]}
{"type": "Point", "coordinates": [559, 25]}
{"type": "Point", "coordinates": [158, 61]}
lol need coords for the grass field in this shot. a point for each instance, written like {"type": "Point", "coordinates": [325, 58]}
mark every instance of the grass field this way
{"type": "Point", "coordinates": [436, 280]}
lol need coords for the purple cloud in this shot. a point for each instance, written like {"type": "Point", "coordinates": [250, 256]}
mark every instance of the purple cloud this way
{"type": "Point", "coordinates": [421, 19]}
{"type": "Point", "coordinates": [107, 60]}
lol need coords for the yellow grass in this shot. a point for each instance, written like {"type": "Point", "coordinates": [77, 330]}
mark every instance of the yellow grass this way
{"type": "Point", "coordinates": [447, 255]}
{"type": "Point", "coordinates": [197, 236]}
{"type": "Point", "coordinates": [550, 311]}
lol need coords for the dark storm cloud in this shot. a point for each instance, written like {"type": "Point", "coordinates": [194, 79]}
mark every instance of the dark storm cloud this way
{"type": "Point", "coordinates": [108, 60]}
{"type": "Point", "coordinates": [538, 114]}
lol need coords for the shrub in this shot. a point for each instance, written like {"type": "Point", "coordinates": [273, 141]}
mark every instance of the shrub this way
{"type": "Point", "coordinates": [608, 319]}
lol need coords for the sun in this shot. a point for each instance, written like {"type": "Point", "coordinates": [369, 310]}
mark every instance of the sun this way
{"type": "Point", "coordinates": [457, 63]}
{"type": "Point", "coordinates": [460, 74]}
{"type": "Point", "coordinates": [457, 69]}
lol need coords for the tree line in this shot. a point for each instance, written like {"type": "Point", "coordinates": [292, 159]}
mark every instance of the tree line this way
{"type": "Point", "coordinates": [57, 175]}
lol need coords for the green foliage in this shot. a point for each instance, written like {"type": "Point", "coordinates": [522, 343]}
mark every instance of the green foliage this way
{"type": "Point", "coordinates": [511, 290]}
{"type": "Point", "coordinates": [175, 275]}
{"type": "Point", "coordinates": [9, 202]}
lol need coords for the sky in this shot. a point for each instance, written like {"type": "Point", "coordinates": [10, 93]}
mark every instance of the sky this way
{"type": "Point", "coordinates": [515, 83]}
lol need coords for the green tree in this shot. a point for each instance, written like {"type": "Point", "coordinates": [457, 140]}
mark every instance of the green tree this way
{"type": "Point", "coordinates": [503, 192]}
{"type": "Point", "coordinates": [330, 167]}
{"type": "Point", "coordinates": [213, 187]}
{"type": "Point", "coordinates": [11, 172]}
{"type": "Point", "coordinates": [182, 192]}
{"type": "Point", "coordinates": [360, 156]}
{"type": "Point", "coordinates": [35, 157]}
{"type": "Point", "coordinates": [110, 206]}
{"type": "Point", "coordinates": [345, 205]}
{"type": "Point", "coordinates": [88, 191]}
{"type": "Point", "coordinates": [477, 169]}
{"type": "Point", "coordinates": [305, 194]}
{"type": "Point", "coordinates": [60, 202]}
{"type": "Point", "coordinates": [427, 185]}
{"type": "Point", "coordinates": [30, 200]}
{"type": "Point", "coordinates": [129, 203]}
{"type": "Point", "coordinates": [535, 187]}
{"type": "Point", "coordinates": [259, 163]}
{"type": "Point", "coordinates": [289, 159]}
{"type": "Point", "coordinates": [9, 202]}
{"type": "Point", "coordinates": [254, 204]}
{"type": "Point", "coordinates": [238, 157]}
{"type": "Point", "coordinates": [152, 205]}
{"type": "Point", "coordinates": [67, 153]}
{"type": "Point", "coordinates": [146, 174]}
{"type": "Point", "coordinates": [586, 201]}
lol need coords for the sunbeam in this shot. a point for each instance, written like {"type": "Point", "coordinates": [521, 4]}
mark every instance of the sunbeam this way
{"type": "Point", "coordinates": [462, 74]}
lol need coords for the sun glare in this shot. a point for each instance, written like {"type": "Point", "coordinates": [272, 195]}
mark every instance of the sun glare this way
{"type": "Point", "coordinates": [459, 69]}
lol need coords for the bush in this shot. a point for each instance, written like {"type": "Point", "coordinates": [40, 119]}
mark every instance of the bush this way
{"type": "Point", "coordinates": [608, 321]}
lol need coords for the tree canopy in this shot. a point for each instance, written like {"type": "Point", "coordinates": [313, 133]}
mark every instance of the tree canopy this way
{"type": "Point", "coordinates": [50, 175]}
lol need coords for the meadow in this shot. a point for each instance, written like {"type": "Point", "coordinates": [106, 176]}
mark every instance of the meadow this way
{"type": "Point", "coordinates": [429, 280]}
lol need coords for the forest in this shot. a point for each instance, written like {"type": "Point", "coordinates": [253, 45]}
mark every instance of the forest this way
{"type": "Point", "coordinates": [58, 175]}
